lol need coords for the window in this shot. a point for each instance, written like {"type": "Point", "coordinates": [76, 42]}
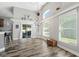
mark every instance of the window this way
{"type": "Point", "coordinates": [46, 29]}
{"type": "Point", "coordinates": [47, 13]}
{"type": "Point", "coordinates": [67, 27]}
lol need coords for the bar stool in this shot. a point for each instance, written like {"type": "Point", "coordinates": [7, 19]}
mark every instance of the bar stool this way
{"type": "Point", "coordinates": [7, 38]}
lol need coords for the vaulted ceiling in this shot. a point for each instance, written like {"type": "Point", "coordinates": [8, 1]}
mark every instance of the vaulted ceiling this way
{"type": "Point", "coordinates": [33, 6]}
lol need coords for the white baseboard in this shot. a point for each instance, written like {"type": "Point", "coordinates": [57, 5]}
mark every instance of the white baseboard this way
{"type": "Point", "coordinates": [2, 49]}
{"type": "Point", "coordinates": [72, 51]}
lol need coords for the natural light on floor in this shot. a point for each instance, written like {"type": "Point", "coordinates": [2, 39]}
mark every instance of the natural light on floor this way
{"type": "Point", "coordinates": [69, 40]}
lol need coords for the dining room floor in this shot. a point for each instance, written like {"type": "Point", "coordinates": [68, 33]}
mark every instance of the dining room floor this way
{"type": "Point", "coordinates": [33, 48]}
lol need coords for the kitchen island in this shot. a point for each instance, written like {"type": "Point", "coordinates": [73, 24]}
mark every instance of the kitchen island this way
{"type": "Point", "coordinates": [2, 47]}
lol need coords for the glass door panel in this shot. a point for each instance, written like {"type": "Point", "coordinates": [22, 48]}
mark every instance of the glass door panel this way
{"type": "Point", "coordinates": [67, 27]}
{"type": "Point", "coordinates": [26, 31]}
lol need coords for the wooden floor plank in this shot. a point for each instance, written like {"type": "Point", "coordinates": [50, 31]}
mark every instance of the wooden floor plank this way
{"type": "Point", "coordinates": [33, 48]}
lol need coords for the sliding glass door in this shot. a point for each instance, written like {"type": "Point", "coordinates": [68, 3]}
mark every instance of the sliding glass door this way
{"type": "Point", "coordinates": [67, 27]}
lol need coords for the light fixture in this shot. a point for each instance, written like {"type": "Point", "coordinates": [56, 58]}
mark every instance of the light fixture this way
{"type": "Point", "coordinates": [38, 14]}
{"type": "Point", "coordinates": [58, 8]}
{"type": "Point", "coordinates": [25, 17]}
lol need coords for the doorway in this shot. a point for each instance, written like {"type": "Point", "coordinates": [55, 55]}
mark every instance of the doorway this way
{"type": "Point", "coordinates": [26, 31]}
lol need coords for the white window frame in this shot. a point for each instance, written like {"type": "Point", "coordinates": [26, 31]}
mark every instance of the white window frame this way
{"type": "Point", "coordinates": [69, 28]}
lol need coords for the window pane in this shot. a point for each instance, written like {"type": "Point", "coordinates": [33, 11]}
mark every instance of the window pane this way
{"type": "Point", "coordinates": [26, 31]}
{"type": "Point", "coordinates": [67, 27]}
{"type": "Point", "coordinates": [47, 13]}
{"type": "Point", "coordinates": [46, 29]}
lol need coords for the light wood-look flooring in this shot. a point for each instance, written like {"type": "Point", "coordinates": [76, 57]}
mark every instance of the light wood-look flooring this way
{"type": "Point", "coordinates": [33, 48]}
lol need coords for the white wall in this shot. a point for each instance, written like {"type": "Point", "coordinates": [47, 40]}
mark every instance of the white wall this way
{"type": "Point", "coordinates": [53, 21]}
{"type": "Point", "coordinates": [15, 14]}
{"type": "Point", "coordinates": [54, 28]}
{"type": "Point", "coordinates": [54, 25]}
{"type": "Point", "coordinates": [18, 13]}
{"type": "Point", "coordinates": [16, 32]}
{"type": "Point", "coordinates": [6, 12]}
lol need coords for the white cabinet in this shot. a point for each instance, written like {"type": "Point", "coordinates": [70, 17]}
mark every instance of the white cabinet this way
{"type": "Point", "coordinates": [2, 47]}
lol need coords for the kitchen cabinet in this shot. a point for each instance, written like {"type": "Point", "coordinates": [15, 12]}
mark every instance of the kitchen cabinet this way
{"type": "Point", "coordinates": [2, 46]}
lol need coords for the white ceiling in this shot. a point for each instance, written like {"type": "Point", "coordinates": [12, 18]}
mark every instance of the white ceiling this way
{"type": "Point", "coordinates": [33, 6]}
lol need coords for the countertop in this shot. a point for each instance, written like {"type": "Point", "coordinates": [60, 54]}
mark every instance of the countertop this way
{"type": "Point", "coordinates": [2, 32]}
